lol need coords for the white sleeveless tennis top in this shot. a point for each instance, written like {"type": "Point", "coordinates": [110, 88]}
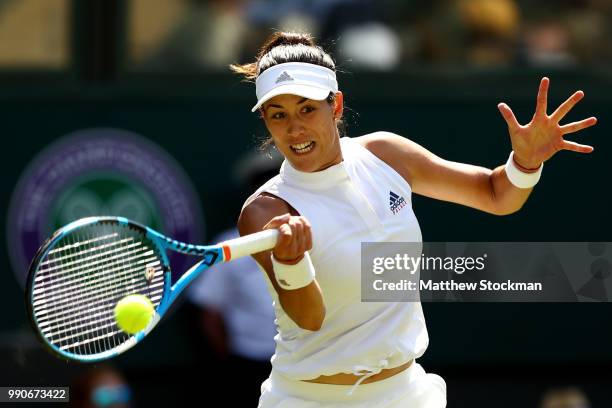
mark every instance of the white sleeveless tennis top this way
{"type": "Point", "coordinates": [352, 202]}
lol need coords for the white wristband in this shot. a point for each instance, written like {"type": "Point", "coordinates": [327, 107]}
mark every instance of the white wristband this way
{"type": "Point", "coordinates": [291, 277]}
{"type": "Point", "coordinates": [519, 178]}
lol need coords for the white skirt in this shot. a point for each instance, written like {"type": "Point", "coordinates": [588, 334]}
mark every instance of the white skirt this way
{"type": "Point", "coordinates": [412, 388]}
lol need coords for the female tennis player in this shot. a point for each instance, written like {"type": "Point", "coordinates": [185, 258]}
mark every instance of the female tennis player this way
{"type": "Point", "coordinates": [333, 193]}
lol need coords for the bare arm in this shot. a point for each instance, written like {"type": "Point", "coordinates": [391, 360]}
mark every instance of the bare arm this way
{"type": "Point", "coordinates": [431, 176]}
{"type": "Point", "coordinates": [305, 305]}
{"type": "Point", "coordinates": [479, 187]}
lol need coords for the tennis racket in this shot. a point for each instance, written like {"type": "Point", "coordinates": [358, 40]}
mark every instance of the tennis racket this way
{"type": "Point", "coordinates": [82, 271]}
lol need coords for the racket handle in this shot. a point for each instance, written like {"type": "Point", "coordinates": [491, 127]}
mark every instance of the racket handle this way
{"type": "Point", "coordinates": [249, 244]}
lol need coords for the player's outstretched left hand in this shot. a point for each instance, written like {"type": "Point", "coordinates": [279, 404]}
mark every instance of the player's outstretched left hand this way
{"type": "Point", "coordinates": [540, 139]}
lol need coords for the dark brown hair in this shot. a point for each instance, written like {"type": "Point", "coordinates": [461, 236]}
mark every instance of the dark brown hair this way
{"type": "Point", "coordinates": [282, 47]}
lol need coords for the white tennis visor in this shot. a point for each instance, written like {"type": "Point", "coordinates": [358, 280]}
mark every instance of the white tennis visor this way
{"type": "Point", "coordinates": [296, 78]}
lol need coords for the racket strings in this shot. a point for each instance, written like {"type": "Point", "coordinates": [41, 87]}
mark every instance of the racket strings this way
{"type": "Point", "coordinates": [72, 323]}
{"type": "Point", "coordinates": [93, 295]}
{"type": "Point", "coordinates": [89, 261]}
{"type": "Point", "coordinates": [103, 332]}
{"type": "Point", "coordinates": [110, 276]}
{"type": "Point", "coordinates": [97, 302]}
{"type": "Point", "coordinates": [86, 282]}
{"type": "Point", "coordinates": [78, 285]}
{"type": "Point", "coordinates": [91, 311]}
{"type": "Point", "coordinates": [70, 247]}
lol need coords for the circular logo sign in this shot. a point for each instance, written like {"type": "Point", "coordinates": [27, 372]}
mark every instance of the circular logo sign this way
{"type": "Point", "coordinates": [101, 172]}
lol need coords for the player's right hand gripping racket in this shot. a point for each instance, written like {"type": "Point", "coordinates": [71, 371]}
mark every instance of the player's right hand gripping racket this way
{"type": "Point", "coordinates": [86, 267]}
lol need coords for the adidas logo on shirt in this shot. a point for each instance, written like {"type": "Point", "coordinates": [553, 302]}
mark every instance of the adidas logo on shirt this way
{"type": "Point", "coordinates": [284, 77]}
{"type": "Point", "coordinates": [396, 202]}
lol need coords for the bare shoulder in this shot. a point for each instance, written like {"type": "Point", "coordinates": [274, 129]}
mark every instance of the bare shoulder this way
{"type": "Point", "coordinates": [377, 138]}
{"type": "Point", "coordinates": [398, 152]}
{"type": "Point", "coordinates": [259, 211]}
{"type": "Point", "coordinates": [385, 145]}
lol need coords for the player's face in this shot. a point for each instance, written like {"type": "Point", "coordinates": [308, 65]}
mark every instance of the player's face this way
{"type": "Point", "coordinates": [304, 130]}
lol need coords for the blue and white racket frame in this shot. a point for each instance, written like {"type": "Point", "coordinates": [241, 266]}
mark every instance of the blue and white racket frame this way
{"type": "Point", "coordinates": [211, 254]}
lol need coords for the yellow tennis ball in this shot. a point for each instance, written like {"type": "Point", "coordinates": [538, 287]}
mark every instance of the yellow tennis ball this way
{"type": "Point", "coordinates": [133, 313]}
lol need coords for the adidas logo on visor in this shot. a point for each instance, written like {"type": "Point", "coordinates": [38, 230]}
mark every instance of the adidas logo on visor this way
{"type": "Point", "coordinates": [396, 202]}
{"type": "Point", "coordinates": [284, 77]}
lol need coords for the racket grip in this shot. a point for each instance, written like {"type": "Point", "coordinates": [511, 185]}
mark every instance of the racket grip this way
{"type": "Point", "coordinates": [249, 244]}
